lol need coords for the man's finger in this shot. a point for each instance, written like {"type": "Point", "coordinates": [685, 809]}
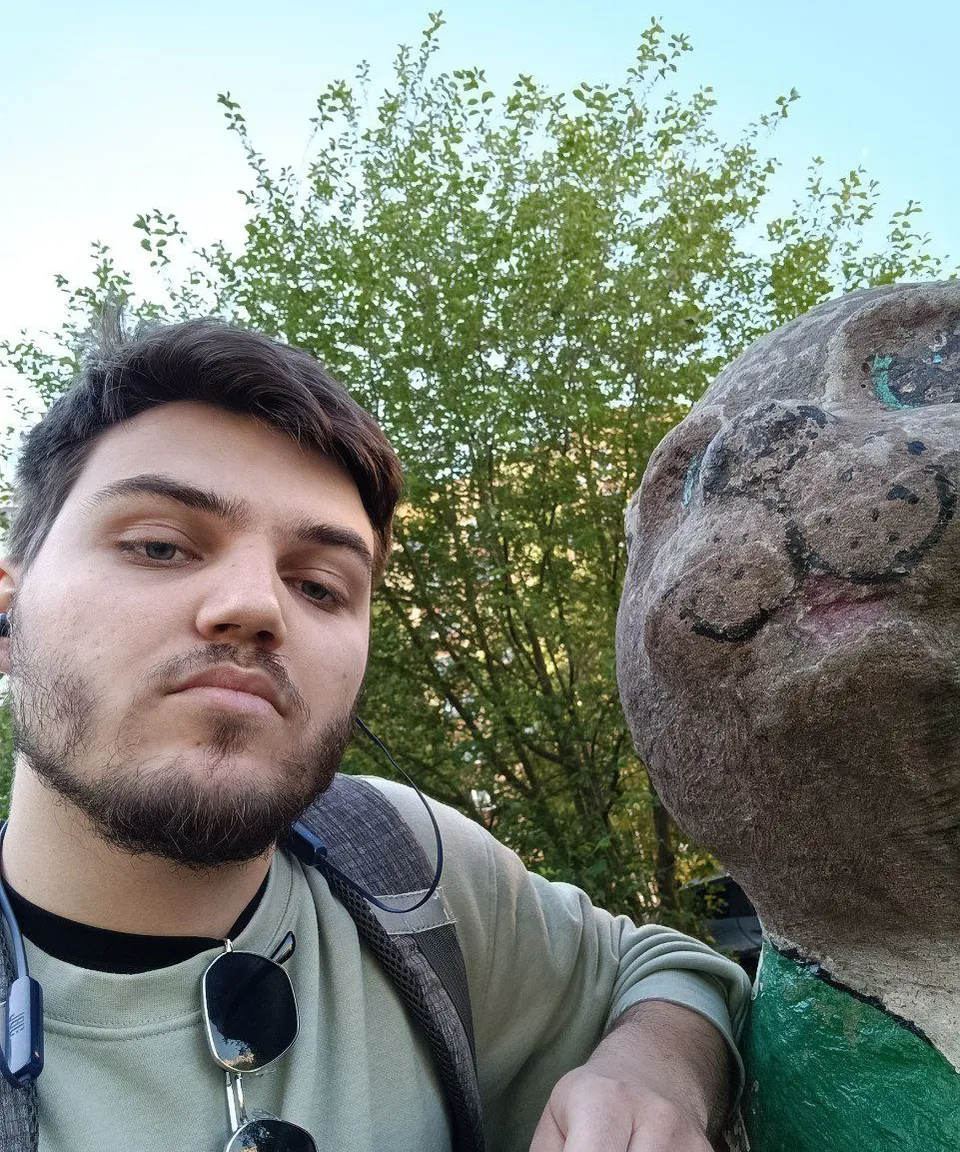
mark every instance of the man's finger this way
{"type": "Point", "coordinates": [615, 1122]}
{"type": "Point", "coordinates": [593, 1132]}
{"type": "Point", "coordinates": [548, 1137]}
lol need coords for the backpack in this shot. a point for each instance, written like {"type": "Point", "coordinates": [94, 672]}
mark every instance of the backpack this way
{"type": "Point", "coordinates": [353, 835]}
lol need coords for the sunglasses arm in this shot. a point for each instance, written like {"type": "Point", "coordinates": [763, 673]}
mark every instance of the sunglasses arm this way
{"type": "Point", "coordinates": [235, 1108]}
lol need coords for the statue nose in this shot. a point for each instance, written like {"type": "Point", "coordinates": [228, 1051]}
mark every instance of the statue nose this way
{"type": "Point", "coordinates": [856, 500]}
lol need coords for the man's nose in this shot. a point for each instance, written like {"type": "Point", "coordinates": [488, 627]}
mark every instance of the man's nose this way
{"type": "Point", "coordinates": [242, 601]}
{"type": "Point", "coordinates": [864, 500]}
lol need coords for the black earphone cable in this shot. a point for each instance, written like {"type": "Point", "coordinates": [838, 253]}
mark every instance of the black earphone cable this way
{"type": "Point", "coordinates": [311, 850]}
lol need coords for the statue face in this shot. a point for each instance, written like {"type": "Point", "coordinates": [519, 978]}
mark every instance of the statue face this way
{"type": "Point", "coordinates": [789, 635]}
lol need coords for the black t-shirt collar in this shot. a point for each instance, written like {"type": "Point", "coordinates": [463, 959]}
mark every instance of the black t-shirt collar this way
{"type": "Point", "coordinates": [104, 950]}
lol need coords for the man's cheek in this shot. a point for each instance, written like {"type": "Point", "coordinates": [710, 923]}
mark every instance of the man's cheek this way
{"type": "Point", "coordinates": [331, 677]}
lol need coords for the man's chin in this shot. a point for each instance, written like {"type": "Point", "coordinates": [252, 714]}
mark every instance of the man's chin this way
{"type": "Point", "coordinates": [198, 809]}
{"type": "Point", "coordinates": [218, 772]}
{"type": "Point", "coordinates": [196, 823]}
{"type": "Point", "coordinates": [213, 738]}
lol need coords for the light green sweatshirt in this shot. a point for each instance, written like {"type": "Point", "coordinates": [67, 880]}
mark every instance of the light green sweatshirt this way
{"type": "Point", "coordinates": [127, 1066]}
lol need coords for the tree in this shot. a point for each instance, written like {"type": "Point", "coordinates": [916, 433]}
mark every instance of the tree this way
{"type": "Point", "coordinates": [528, 292]}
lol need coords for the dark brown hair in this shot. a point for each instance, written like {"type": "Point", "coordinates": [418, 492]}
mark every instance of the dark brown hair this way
{"type": "Point", "coordinates": [213, 363]}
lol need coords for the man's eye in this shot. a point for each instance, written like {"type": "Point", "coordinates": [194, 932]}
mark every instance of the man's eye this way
{"type": "Point", "coordinates": [159, 550]}
{"type": "Point", "coordinates": [314, 591]}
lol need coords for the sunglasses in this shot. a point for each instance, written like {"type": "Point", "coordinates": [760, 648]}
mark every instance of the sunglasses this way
{"type": "Point", "coordinates": [251, 1019]}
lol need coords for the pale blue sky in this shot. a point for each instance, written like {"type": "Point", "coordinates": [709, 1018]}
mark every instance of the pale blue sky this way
{"type": "Point", "coordinates": [109, 108]}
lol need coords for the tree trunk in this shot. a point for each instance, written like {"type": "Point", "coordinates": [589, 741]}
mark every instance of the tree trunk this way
{"type": "Point", "coordinates": [666, 859]}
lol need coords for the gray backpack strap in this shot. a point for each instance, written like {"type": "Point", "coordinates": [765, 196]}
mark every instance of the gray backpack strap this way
{"type": "Point", "coordinates": [19, 1119]}
{"type": "Point", "coordinates": [368, 842]}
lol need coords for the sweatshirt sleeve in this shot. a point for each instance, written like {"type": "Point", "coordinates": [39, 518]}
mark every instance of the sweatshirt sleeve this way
{"type": "Point", "coordinates": [548, 971]}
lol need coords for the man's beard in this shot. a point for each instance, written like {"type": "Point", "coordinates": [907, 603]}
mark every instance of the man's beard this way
{"type": "Point", "coordinates": [200, 817]}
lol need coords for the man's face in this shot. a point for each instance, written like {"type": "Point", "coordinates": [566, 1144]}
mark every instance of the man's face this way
{"type": "Point", "coordinates": [188, 646]}
{"type": "Point", "coordinates": [789, 636]}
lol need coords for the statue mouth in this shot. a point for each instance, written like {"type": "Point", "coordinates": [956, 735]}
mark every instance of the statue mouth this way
{"type": "Point", "coordinates": [819, 605]}
{"type": "Point", "coordinates": [827, 606]}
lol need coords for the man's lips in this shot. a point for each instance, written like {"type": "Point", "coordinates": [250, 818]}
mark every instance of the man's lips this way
{"type": "Point", "coordinates": [238, 689]}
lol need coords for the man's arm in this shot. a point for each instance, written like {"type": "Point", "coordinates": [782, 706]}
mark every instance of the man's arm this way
{"type": "Point", "coordinates": [550, 975]}
{"type": "Point", "coordinates": [659, 1081]}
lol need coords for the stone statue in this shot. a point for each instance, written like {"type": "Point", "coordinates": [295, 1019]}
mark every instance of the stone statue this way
{"type": "Point", "coordinates": [789, 662]}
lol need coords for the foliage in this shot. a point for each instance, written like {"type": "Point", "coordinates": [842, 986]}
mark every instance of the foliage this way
{"type": "Point", "coordinates": [527, 291]}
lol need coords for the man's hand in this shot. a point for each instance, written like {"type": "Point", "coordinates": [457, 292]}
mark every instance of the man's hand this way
{"type": "Point", "coordinates": [658, 1082]}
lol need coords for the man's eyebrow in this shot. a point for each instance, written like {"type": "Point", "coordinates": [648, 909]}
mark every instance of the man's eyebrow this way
{"type": "Point", "coordinates": [233, 512]}
{"type": "Point", "coordinates": [331, 536]}
{"type": "Point", "coordinates": [156, 484]}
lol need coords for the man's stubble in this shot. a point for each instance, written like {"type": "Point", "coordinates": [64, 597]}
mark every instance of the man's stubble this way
{"type": "Point", "coordinates": [201, 815]}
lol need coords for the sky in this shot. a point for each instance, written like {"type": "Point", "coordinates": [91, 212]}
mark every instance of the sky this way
{"type": "Point", "coordinates": [108, 109]}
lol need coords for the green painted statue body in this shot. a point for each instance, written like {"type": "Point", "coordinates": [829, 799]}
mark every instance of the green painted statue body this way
{"type": "Point", "coordinates": [789, 661]}
{"type": "Point", "coordinates": [828, 1070]}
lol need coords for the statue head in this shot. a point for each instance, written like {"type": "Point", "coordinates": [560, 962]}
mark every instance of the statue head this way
{"type": "Point", "coordinates": [789, 635]}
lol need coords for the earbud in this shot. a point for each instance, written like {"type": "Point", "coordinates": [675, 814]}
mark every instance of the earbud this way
{"type": "Point", "coordinates": [4, 625]}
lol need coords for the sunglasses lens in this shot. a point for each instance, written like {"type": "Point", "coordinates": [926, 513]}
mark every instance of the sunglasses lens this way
{"type": "Point", "coordinates": [251, 1014]}
{"type": "Point", "coordinates": [271, 1136]}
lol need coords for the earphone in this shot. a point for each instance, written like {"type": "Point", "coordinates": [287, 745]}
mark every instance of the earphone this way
{"type": "Point", "coordinates": [4, 625]}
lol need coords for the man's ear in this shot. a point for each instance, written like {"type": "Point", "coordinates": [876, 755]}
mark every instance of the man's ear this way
{"type": "Point", "coordinates": [8, 585]}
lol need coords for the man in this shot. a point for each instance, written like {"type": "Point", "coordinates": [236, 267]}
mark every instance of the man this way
{"type": "Point", "coordinates": [200, 522]}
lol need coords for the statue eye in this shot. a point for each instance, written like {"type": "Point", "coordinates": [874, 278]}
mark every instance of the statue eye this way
{"type": "Point", "coordinates": [674, 468]}
{"type": "Point", "coordinates": [690, 482]}
{"type": "Point", "coordinates": [918, 379]}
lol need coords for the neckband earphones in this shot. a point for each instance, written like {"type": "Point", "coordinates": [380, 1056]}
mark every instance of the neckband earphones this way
{"type": "Point", "coordinates": [21, 1058]}
{"type": "Point", "coordinates": [309, 848]}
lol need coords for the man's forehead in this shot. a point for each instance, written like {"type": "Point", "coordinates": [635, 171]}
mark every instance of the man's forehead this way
{"type": "Point", "coordinates": [193, 432]}
{"type": "Point", "coordinates": [243, 467]}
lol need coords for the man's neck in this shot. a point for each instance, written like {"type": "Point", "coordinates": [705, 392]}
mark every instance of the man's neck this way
{"type": "Point", "coordinates": [55, 859]}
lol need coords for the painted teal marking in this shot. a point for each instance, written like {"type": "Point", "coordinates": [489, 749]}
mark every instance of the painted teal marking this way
{"type": "Point", "coordinates": [692, 473]}
{"type": "Point", "coordinates": [886, 395]}
{"type": "Point", "coordinates": [880, 372]}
